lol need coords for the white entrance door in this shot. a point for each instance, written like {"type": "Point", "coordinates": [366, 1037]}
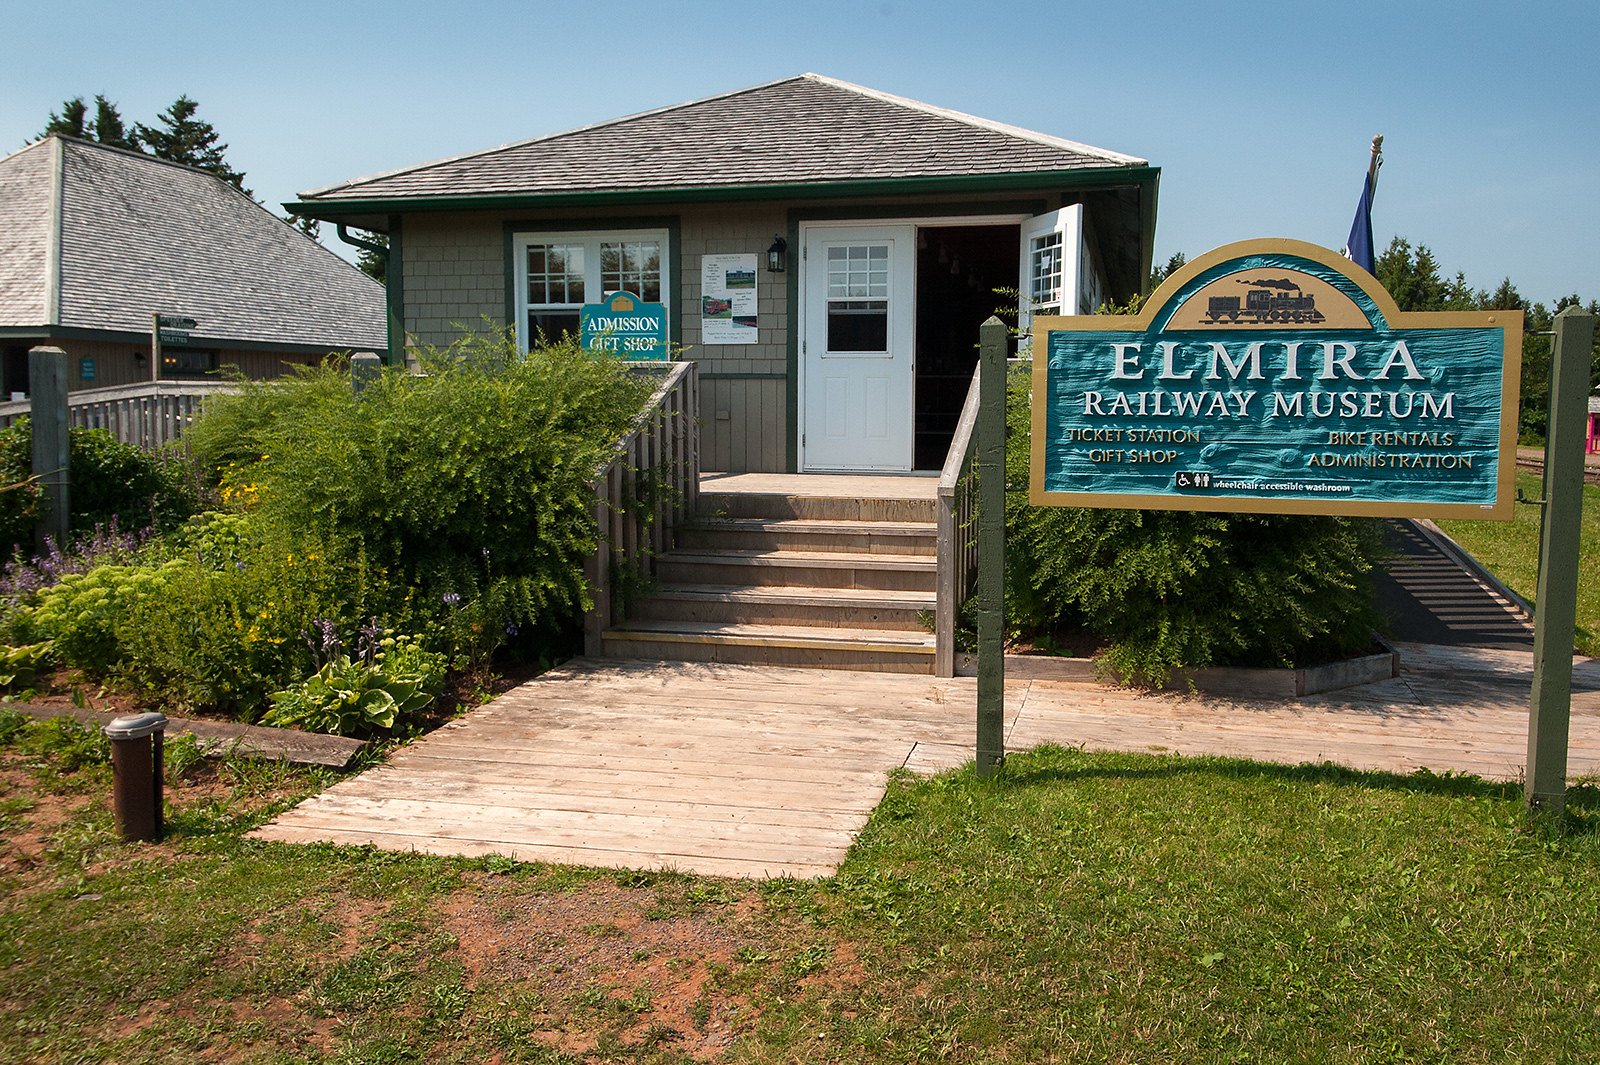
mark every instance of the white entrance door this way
{"type": "Point", "coordinates": [856, 334]}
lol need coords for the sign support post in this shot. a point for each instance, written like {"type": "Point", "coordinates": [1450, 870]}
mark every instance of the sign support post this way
{"type": "Point", "coordinates": [1555, 618]}
{"type": "Point", "coordinates": [991, 546]}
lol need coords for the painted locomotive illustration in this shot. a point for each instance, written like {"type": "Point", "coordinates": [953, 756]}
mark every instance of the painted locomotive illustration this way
{"type": "Point", "coordinates": [1279, 300]}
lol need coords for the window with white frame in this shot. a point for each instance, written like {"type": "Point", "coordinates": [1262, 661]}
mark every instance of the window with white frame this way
{"type": "Point", "coordinates": [1044, 273]}
{"type": "Point", "coordinates": [557, 273]}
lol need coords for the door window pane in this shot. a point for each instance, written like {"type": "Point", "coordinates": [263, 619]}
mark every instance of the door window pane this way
{"type": "Point", "coordinates": [858, 298]}
{"type": "Point", "coordinates": [858, 271]}
{"type": "Point", "coordinates": [858, 325]}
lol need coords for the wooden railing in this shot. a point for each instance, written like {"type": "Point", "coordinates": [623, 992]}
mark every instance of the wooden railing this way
{"type": "Point", "coordinates": [145, 415]}
{"type": "Point", "coordinates": [641, 495]}
{"type": "Point", "coordinates": [956, 542]}
{"type": "Point", "coordinates": [955, 516]}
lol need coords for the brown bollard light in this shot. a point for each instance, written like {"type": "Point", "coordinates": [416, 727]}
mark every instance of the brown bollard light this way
{"type": "Point", "coordinates": [136, 774]}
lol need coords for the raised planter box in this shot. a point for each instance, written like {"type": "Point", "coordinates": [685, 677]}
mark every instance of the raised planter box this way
{"type": "Point", "coordinates": [1221, 680]}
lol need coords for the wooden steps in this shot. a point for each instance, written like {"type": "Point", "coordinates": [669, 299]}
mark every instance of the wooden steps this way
{"type": "Point", "coordinates": [875, 537]}
{"type": "Point", "coordinates": [833, 581]}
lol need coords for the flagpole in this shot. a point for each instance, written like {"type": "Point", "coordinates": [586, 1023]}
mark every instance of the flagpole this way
{"type": "Point", "coordinates": [1377, 161]}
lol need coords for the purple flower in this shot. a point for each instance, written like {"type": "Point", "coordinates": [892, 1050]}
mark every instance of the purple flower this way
{"type": "Point", "coordinates": [103, 544]}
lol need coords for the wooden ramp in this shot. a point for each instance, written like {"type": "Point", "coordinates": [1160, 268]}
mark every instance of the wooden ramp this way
{"type": "Point", "coordinates": [720, 769]}
{"type": "Point", "coordinates": [762, 771]}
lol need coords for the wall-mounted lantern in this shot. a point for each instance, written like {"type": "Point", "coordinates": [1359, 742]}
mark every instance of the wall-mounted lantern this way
{"type": "Point", "coordinates": [777, 255]}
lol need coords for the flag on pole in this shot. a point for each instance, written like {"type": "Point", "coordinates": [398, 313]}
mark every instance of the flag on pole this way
{"type": "Point", "coordinates": [1358, 248]}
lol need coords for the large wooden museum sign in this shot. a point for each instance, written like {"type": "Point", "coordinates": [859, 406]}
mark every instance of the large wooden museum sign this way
{"type": "Point", "coordinates": [1275, 376]}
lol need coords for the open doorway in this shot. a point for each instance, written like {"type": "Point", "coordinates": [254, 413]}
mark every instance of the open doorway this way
{"type": "Point", "coordinates": [15, 369]}
{"type": "Point", "coordinates": [958, 270]}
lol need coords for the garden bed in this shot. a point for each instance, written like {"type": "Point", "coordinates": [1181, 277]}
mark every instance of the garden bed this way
{"type": "Point", "coordinates": [1382, 664]}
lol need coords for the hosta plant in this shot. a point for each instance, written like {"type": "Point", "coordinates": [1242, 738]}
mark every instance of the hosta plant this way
{"type": "Point", "coordinates": [364, 695]}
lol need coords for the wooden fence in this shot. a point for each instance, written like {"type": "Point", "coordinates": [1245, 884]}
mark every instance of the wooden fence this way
{"type": "Point", "coordinates": [647, 489]}
{"type": "Point", "coordinates": [146, 415]}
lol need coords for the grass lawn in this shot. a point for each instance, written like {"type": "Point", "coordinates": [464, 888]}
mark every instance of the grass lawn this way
{"type": "Point", "coordinates": [1092, 908]}
{"type": "Point", "coordinates": [1510, 549]}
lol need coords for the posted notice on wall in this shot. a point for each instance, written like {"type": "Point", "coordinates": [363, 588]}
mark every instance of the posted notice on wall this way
{"type": "Point", "coordinates": [728, 299]}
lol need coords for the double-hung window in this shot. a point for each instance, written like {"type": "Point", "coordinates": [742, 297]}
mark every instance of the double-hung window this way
{"type": "Point", "coordinates": [558, 272]}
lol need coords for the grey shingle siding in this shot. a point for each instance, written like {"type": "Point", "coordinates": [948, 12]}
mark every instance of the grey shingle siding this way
{"type": "Point", "coordinates": [25, 190]}
{"type": "Point", "coordinates": [139, 235]}
{"type": "Point", "coordinates": [800, 130]}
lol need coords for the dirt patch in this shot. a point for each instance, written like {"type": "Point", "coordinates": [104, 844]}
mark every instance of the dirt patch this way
{"type": "Point", "coordinates": [36, 814]}
{"type": "Point", "coordinates": [68, 687]}
{"type": "Point", "coordinates": [645, 965]}
{"type": "Point", "coordinates": [39, 813]}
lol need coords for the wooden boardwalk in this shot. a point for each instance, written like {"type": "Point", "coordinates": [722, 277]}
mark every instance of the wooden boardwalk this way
{"type": "Point", "coordinates": [765, 771]}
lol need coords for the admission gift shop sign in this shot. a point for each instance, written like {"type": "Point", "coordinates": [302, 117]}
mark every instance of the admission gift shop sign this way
{"type": "Point", "coordinates": [1277, 377]}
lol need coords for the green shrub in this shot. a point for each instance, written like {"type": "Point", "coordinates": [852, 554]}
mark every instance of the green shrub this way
{"type": "Point", "coordinates": [20, 666]}
{"type": "Point", "coordinates": [453, 510]}
{"type": "Point", "coordinates": [370, 693]}
{"type": "Point", "coordinates": [109, 480]}
{"type": "Point", "coordinates": [236, 615]}
{"type": "Point", "coordinates": [86, 615]}
{"type": "Point", "coordinates": [1173, 588]}
{"type": "Point", "coordinates": [468, 486]}
{"type": "Point", "coordinates": [217, 625]}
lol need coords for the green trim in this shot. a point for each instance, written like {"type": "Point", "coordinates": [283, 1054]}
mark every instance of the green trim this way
{"type": "Point", "coordinates": [1043, 181]}
{"type": "Point", "coordinates": [704, 376]}
{"type": "Point", "coordinates": [1147, 225]}
{"type": "Point", "coordinates": [791, 455]}
{"type": "Point", "coordinates": [394, 296]}
{"type": "Point", "coordinates": [671, 223]}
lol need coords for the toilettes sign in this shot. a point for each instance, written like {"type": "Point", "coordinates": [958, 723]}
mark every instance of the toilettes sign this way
{"type": "Point", "coordinates": [1277, 377]}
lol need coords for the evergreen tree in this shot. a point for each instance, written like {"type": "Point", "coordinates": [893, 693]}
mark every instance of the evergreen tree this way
{"type": "Point", "coordinates": [371, 263]}
{"type": "Point", "coordinates": [311, 227]}
{"type": "Point", "coordinates": [108, 126]}
{"type": "Point", "coordinates": [1504, 298]}
{"type": "Point", "coordinates": [69, 121]}
{"type": "Point", "coordinates": [1160, 273]}
{"type": "Point", "coordinates": [182, 138]}
{"type": "Point", "coordinates": [1414, 280]}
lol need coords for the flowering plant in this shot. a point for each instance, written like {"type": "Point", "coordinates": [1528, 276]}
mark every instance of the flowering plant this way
{"type": "Point", "coordinates": [389, 678]}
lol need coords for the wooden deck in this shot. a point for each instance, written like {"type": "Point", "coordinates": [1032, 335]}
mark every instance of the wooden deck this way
{"type": "Point", "coordinates": [766, 771]}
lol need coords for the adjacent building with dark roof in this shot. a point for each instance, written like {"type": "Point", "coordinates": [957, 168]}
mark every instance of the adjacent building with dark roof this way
{"type": "Point", "coordinates": [95, 241]}
{"type": "Point", "coordinates": [826, 252]}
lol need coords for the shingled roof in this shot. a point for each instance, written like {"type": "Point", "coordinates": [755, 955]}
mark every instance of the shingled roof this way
{"type": "Point", "coordinates": [805, 130]}
{"type": "Point", "coordinates": [96, 239]}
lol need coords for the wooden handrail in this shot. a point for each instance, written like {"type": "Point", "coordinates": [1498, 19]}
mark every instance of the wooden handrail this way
{"type": "Point", "coordinates": [961, 443]}
{"type": "Point", "coordinates": [143, 390]}
{"type": "Point", "coordinates": [148, 414]}
{"type": "Point", "coordinates": [955, 547]}
{"type": "Point", "coordinates": [662, 439]}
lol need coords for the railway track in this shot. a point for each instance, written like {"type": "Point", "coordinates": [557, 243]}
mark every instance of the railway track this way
{"type": "Point", "coordinates": [1534, 464]}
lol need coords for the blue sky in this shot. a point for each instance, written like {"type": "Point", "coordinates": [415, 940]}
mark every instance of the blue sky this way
{"type": "Point", "coordinates": [1258, 114]}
